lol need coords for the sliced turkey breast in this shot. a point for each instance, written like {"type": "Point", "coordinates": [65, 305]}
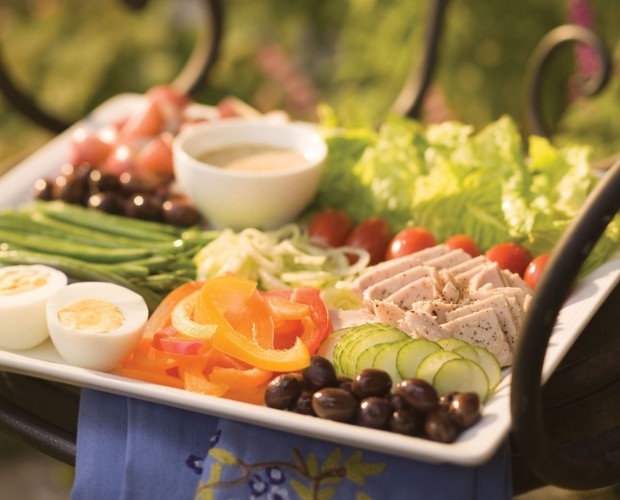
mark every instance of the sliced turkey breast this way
{"type": "Point", "coordinates": [421, 289]}
{"type": "Point", "coordinates": [388, 286]}
{"type": "Point", "coordinates": [499, 304]}
{"type": "Point", "coordinates": [490, 276]}
{"type": "Point", "coordinates": [436, 308]}
{"type": "Point", "coordinates": [481, 328]}
{"type": "Point", "coordinates": [448, 260]}
{"type": "Point", "coordinates": [420, 325]}
{"type": "Point", "coordinates": [467, 265]}
{"type": "Point", "coordinates": [344, 318]}
{"type": "Point", "coordinates": [389, 268]}
{"type": "Point", "coordinates": [388, 312]}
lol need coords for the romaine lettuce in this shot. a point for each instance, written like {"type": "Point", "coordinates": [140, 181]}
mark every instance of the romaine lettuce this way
{"type": "Point", "coordinates": [489, 185]}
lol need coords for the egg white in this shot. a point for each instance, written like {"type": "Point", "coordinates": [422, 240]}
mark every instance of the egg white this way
{"type": "Point", "coordinates": [23, 315]}
{"type": "Point", "coordinates": [94, 350]}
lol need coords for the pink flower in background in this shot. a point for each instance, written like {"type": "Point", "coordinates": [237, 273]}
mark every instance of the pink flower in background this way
{"type": "Point", "coordinates": [580, 13]}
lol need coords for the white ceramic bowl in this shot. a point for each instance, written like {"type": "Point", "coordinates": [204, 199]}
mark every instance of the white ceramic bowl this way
{"type": "Point", "coordinates": [238, 199]}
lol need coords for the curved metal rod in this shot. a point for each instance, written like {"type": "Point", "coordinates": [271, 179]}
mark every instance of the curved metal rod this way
{"type": "Point", "coordinates": [411, 98]}
{"type": "Point", "coordinates": [568, 33]}
{"type": "Point", "coordinates": [189, 79]}
{"type": "Point", "coordinates": [206, 49]}
{"type": "Point", "coordinates": [548, 459]}
{"type": "Point", "coordinates": [37, 433]}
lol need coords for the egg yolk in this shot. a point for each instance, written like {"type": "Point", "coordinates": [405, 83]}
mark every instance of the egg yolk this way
{"type": "Point", "coordinates": [91, 315]}
{"type": "Point", "coordinates": [16, 281]}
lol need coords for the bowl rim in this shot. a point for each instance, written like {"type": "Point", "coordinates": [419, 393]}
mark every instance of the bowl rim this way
{"type": "Point", "coordinates": [180, 154]}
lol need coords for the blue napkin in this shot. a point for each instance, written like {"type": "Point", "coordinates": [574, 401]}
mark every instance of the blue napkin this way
{"type": "Point", "coordinates": [132, 449]}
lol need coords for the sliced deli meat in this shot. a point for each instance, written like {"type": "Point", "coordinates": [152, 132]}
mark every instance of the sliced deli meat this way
{"type": "Point", "coordinates": [499, 304]}
{"type": "Point", "coordinates": [422, 326]}
{"type": "Point", "coordinates": [388, 313]}
{"type": "Point", "coordinates": [438, 293]}
{"type": "Point", "coordinates": [392, 267]}
{"type": "Point", "coordinates": [386, 287]}
{"type": "Point", "coordinates": [481, 328]}
{"type": "Point", "coordinates": [423, 289]}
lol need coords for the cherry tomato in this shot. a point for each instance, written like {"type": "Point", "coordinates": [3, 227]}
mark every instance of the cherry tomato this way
{"type": "Point", "coordinates": [409, 240]}
{"type": "Point", "coordinates": [373, 235]}
{"type": "Point", "coordinates": [534, 270]}
{"type": "Point", "coordinates": [511, 256]}
{"type": "Point", "coordinates": [463, 242]}
{"type": "Point", "coordinates": [88, 147]}
{"type": "Point", "coordinates": [156, 156]}
{"type": "Point", "coordinates": [330, 227]}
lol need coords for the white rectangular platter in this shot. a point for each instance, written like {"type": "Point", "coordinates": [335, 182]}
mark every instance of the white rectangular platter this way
{"type": "Point", "coordinates": [474, 446]}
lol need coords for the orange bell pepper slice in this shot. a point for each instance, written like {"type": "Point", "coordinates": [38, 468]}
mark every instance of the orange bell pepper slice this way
{"type": "Point", "coordinates": [151, 376]}
{"type": "Point", "coordinates": [161, 316]}
{"type": "Point", "coordinates": [236, 378]}
{"type": "Point", "coordinates": [254, 396]}
{"type": "Point", "coordinates": [194, 380]}
{"type": "Point", "coordinates": [278, 360]}
{"type": "Point", "coordinates": [233, 303]}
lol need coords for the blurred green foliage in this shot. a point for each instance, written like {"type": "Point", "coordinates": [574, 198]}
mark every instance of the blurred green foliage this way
{"type": "Point", "coordinates": [354, 55]}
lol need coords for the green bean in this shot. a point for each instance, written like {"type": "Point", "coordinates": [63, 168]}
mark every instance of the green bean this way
{"type": "Point", "coordinates": [80, 270]}
{"type": "Point", "coordinates": [37, 223]}
{"type": "Point", "coordinates": [57, 246]}
{"type": "Point", "coordinates": [107, 223]}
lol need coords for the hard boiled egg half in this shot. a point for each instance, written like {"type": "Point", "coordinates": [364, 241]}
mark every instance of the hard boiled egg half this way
{"type": "Point", "coordinates": [24, 292]}
{"type": "Point", "coordinates": [96, 325]}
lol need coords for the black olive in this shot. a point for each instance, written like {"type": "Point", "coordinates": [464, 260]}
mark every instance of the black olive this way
{"type": "Point", "coordinates": [406, 421]}
{"type": "Point", "coordinates": [143, 207]}
{"type": "Point", "coordinates": [320, 373]}
{"type": "Point", "coordinates": [334, 404]}
{"type": "Point", "coordinates": [180, 212]}
{"type": "Point", "coordinates": [345, 383]}
{"type": "Point", "coordinates": [69, 189]}
{"type": "Point", "coordinates": [371, 382]}
{"type": "Point", "coordinates": [445, 399]}
{"type": "Point", "coordinates": [82, 172]}
{"type": "Point", "coordinates": [99, 181]}
{"type": "Point", "coordinates": [67, 169]}
{"type": "Point", "coordinates": [44, 189]}
{"type": "Point", "coordinates": [464, 409]}
{"type": "Point", "coordinates": [135, 184]}
{"type": "Point", "coordinates": [397, 401]}
{"type": "Point", "coordinates": [374, 412]}
{"type": "Point", "coordinates": [303, 405]}
{"type": "Point", "coordinates": [283, 392]}
{"type": "Point", "coordinates": [440, 427]}
{"type": "Point", "coordinates": [418, 394]}
{"type": "Point", "coordinates": [109, 202]}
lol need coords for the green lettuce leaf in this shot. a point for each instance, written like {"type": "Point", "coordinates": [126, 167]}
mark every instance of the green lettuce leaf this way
{"type": "Point", "coordinates": [452, 180]}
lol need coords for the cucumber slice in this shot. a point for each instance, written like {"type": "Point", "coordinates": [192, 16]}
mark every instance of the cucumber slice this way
{"type": "Point", "coordinates": [451, 343]}
{"type": "Point", "coordinates": [431, 364]}
{"type": "Point", "coordinates": [382, 333]}
{"type": "Point", "coordinates": [349, 335]}
{"type": "Point", "coordinates": [326, 349]}
{"type": "Point", "coordinates": [385, 359]}
{"type": "Point", "coordinates": [462, 375]}
{"type": "Point", "coordinates": [410, 356]}
{"type": "Point", "coordinates": [488, 362]}
{"type": "Point", "coordinates": [367, 358]}
{"type": "Point", "coordinates": [468, 352]}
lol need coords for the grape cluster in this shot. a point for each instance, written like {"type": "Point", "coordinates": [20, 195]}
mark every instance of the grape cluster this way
{"type": "Point", "coordinates": [125, 194]}
{"type": "Point", "coordinates": [413, 407]}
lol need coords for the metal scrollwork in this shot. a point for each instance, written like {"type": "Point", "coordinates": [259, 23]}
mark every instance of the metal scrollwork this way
{"type": "Point", "coordinates": [556, 38]}
{"type": "Point", "coordinates": [189, 79]}
{"type": "Point", "coordinates": [595, 461]}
